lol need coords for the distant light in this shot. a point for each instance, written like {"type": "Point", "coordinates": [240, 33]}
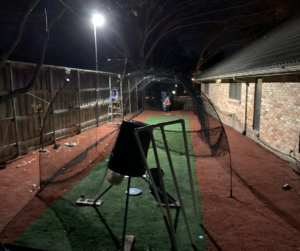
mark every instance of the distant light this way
{"type": "Point", "coordinates": [68, 79]}
{"type": "Point", "coordinates": [174, 92]}
{"type": "Point", "coordinates": [193, 79]}
{"type": "Point", "coordinates": [175, 85]}
{"type": "Point", "coordinates": [218, 81]}
{"type": "Point", "coordinates": [108, 59]}
{"type": "Point", "coordinates": [98, 20]}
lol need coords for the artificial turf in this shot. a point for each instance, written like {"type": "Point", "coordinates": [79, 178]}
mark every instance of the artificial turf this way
{"type": "Point", "coordinates": [66, 226]}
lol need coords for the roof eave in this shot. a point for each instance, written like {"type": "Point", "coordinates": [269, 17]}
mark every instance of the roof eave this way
{"type": "Point", "coordinates": [255, 73]}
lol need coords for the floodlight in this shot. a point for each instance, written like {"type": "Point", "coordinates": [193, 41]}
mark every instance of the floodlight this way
{"type": "Point", "coordinates": [98, 20]}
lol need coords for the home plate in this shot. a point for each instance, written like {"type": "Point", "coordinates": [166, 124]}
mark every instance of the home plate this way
{"type": "Point", "coordinates": [88, 202]}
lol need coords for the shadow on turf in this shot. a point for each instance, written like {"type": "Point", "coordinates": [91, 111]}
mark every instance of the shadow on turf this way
{"type": "Point", "coordinates": [10, 247]}
{"type": "Point", "coordinates": [210, 237]}
{"type": "Point", "coordinates": [113, 237]}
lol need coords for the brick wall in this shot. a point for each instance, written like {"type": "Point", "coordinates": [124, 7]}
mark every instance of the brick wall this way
{"type": "Point", "coordinates": [280, 112]}
{"type": "Point", "coordinates": [231, 111]}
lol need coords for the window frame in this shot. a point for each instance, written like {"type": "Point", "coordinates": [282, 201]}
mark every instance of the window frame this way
{"type": "Point", "coordinates": [235, 90]}
{"type": "Point", "coordinates": [206, 88]}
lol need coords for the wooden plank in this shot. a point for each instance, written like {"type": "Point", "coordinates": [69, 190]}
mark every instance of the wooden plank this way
{"type": "Point", "coordinates": [93, 89]}
{"type": "Point", "coordinates": [97, 112]}
{"type": "Point", "coordinates": [14, 109]}
{"type": "Point", "coordinates": [5, 119]}
{"type": "Point", "coordinates": [3, 93]}
{"type": "Point", "coordinates": [79, 99]}
{"type": "Point", "coordinates": [136, 96]}
{"type": "Point", "coordinates": [23, 117]}
{"type": "Point", "coordinates": [63, 110]}
{"type": "Point", "coordinates": [52, 107]}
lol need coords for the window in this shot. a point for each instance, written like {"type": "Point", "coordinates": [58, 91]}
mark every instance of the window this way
{"type": "Point", "coordinates": [206, 88]}
{"type": "Point", "coordinates": [235, 91]}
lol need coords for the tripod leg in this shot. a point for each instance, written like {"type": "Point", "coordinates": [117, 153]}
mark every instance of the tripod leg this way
{"type": "Point", "coordinates": [126, 210]}
{"type": "Point", "coordinates": [103, 193]}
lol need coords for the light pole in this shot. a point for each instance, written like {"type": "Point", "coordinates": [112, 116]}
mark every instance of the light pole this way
{"type": "Point", "coordinates": [98, 20]}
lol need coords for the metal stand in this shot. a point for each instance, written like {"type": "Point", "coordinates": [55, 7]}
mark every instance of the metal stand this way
{"type": "Point", "coordinates": [114, 108]}
{"type": "Point", "coordinates": [172, 202]}
{"type": "Point", "coordinates": [150, 130]}
{"type": "Point", "coordinates": [125, 217]}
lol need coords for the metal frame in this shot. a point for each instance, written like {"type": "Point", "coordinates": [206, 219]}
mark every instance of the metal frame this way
{"type": "Point", "coordinates": [129, 97]}
{"type": "Point", "coordinates": [150, 130]}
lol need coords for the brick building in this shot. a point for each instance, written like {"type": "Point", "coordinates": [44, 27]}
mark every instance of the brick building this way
{"type": "Point", "coordinates": [257, 90]}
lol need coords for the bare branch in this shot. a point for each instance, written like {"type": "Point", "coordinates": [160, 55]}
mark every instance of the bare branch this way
{"type": "Point", "coordinates": [37, 69]}
{"type": "Point", "coordinates": [18, 33]}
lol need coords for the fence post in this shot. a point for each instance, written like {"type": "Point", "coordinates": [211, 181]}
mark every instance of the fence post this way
{"type": "Point", "coordinates": [136, 96]}
{"type": "Point", "coordinates": [52, 108]}
{"type": "Point", "coordinates": [129, 95]}
{"type": "Point", "coordinates": [14, 110]}
{"type": "Point", "coordinates": [97, 97]}
{"type": "Point", "coordinates": [79, 99]}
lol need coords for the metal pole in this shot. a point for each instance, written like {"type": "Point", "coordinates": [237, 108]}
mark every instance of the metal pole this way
{"type": "Point", "coordinates": [189, 166]}
{"type": "Point", "coordinates": [97, 85]}
{"type": "Point", "coordinates": [129, 93]}
{"type": "Point", "coordinates": [136, 96]}
{"type": "Point", "coordinates": [14, 110]}
{"type": "Point", "coordinates": [52, 108]}
{"type": "Point", "coordinates": [79, 100]}
{"type": "Point", "coordinates": [148, 169]}
{"type": "Point", "coordinates": [164, 191]}
{"type": "Point", "coordinates": [126, 211]}
{"type": "Point", "coordinates": [176, 184]}
{"type": "Point", "coordinates": [121, 92]}
{"type": "Point", "coordinates": [103, 194]}
{"type": "Point", "coordinates": [150, 130]}
{"type": "Point", "coordinates": [110, 101]}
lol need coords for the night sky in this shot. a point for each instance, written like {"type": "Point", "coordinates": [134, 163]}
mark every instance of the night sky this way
{"type": "Point", "coordinates": [71, 40]}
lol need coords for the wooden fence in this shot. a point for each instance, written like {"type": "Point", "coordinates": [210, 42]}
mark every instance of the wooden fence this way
{"type": "Point", "coordinates": [71, 96]}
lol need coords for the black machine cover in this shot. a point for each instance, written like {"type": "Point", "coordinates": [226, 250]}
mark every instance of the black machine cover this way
{"type": "Point", "coordinates": [126, 158]}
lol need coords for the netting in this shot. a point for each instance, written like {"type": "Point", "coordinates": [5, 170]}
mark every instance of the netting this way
{"type": "Point", "coordinates": [84, 122]}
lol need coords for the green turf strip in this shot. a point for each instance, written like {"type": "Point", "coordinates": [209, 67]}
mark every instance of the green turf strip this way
{"type": "Point", "coordinates": [66, 226]}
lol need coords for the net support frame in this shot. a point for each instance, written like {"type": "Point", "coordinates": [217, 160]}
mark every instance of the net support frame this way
{"type": "Point", "coordinates": [150, 129]}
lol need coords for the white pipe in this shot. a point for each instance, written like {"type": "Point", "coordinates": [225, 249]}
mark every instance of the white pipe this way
{"type": "Point", "coordinates": [189, 166]}
{"type": "Point", "coordinates": [176, 185]}
{"type": "Point", "coordinates": [160, 176]}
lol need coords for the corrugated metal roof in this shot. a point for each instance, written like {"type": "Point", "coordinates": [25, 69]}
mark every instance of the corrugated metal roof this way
{"type": "Point", "coordinates": [277, 51]}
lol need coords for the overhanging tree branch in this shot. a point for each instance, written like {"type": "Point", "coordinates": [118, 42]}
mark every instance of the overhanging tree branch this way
{"type": "Point", "coordinates": [37, 69]}
{"type": "Point", "coordinates": [18, 33]}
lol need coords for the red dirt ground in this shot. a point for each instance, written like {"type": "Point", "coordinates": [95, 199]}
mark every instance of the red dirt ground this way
{"type": "Point", "coordinates": [261, 216]}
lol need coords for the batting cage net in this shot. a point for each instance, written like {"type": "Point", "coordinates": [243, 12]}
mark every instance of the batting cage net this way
{"type": "Point", "coordinates": [78, 132]}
